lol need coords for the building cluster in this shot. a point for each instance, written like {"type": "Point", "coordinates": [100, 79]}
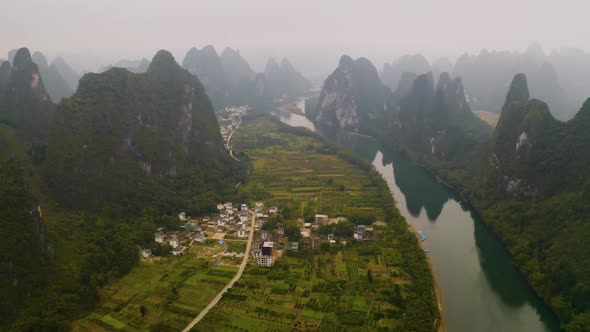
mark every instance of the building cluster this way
{"type": "Point", "coordinates": [229, 119]}
{"type": "Point", "coordinates": [233, 221]}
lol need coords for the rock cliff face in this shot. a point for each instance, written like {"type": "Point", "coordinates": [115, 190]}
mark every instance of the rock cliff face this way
{"type": "Point", "coordinates": [24, 103]}
{"type": "Point", "coordinates": [123, 131]}
{"type": "Point", "coordinates": [353, 98]}
{"type": "Point", "coordinates": [532, 154]}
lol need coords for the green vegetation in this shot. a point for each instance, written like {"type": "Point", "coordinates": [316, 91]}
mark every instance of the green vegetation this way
{"type": "Point", "coordinates": [165, 294]}
{"type": "Point", "coordinates": [547, 239]}
{"type": "Point", "coordinates": [126, 153]}
{"type": "Point", "coordinates": [530, 184]}
{"type": "Point", "coordinates": [331, 289]}
{"type": "Point", "coordinates": [293, 168]}
{"type": "Point", "coordinates": [136, 140]}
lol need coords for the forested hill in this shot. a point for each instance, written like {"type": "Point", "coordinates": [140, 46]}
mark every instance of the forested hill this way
{"type": "Point", "coordinates": [534, 155]}
{"type": "Point", "coordinates": [136, 139]}
{"type": "Point", "coordinates": [535, 193]}
{"type": "Point", "coordinates": [86, 183]}
{"type": "Point", "coordinates": [435, 121]}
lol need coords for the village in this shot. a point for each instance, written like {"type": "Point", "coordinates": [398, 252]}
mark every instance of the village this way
{"type": "Point", "coordinates": [223, 237]}
{"type": "Point", "coordinates": [229, 120]}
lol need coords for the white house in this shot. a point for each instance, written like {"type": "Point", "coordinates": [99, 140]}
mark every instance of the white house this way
{"type": "Point", "coordinates": [159, 238]}
{"type": "Point", "coordinates": [178, 251]}
{"type": "Point", "coordinates": [174, 242]}
{"type": "Point", "coordinates": [145, 253]}
{"type": "Point", "coordinates": [273, 209]}
{"type": "Point", "coordinates": [182, 216]}
{"type": "Point", "coordinates": [241, 233]}
{"type": "Point", "coordinates": [265, 261]}
{"type": "Point", "coordinates": [321, 218]}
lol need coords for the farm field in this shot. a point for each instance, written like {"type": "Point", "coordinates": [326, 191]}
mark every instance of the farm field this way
{"type": "Point", "coordinates": [383, 284]}
{"type": "Point", "coordinates": [172, 291]}
{"type": "Point", "coordinates": [301, 173]}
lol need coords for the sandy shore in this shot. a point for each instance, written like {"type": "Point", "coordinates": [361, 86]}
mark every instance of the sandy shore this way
{"type": "Point", "coordinates": [442, 327]}
{"type": "Point", "coordinates": [291, 107]}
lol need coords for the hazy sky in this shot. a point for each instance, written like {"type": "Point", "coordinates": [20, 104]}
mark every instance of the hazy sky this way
{"type": "Point", "coordinates": [309, 32]}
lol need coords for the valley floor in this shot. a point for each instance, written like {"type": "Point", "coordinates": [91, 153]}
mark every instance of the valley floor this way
{"type": "Point", "coordinates": [382, 282]}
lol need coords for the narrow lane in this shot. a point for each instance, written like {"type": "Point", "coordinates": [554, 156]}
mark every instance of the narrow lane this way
{"type": "Point", "coordinates": [230, 284]}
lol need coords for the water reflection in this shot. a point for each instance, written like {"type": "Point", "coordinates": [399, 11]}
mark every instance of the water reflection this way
{"type": "Point", "coordinates": [418, 187]}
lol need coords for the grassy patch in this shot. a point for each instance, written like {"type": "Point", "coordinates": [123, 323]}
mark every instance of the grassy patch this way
{"type": "Point", "coordinates": [172, 291]}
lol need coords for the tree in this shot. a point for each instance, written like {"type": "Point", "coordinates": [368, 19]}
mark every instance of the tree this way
{"type": "Point", "coordinates": [370, 276]}
{"type": "Point", "coordinates": [142, 310]}
{"type": "Point", "coordinates": [292, 231]}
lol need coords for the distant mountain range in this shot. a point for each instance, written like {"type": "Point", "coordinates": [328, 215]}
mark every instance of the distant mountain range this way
{"type": "Point", "coordinates": [560, 78]}
{"type": "Point", "coordinates": [59, 79]}
{"type": "Point", "coordinates": [229, 79]}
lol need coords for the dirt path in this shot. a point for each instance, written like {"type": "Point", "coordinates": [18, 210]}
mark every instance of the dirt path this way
{"type": "Point", "coordinates": [230, 284]}
{"type": "Point", "coordinates": [231, 151]}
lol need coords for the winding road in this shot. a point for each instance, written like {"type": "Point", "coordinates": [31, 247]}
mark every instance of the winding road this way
{"type": "Point", "coordinates": [230, 284]}
{"type": "Point", "coordinates": [231, 151]}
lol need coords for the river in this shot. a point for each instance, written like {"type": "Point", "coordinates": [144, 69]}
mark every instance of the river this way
{"type": "Point", "coordinates": [481, 289]}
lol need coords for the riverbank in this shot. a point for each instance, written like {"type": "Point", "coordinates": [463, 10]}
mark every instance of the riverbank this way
{"type": "Point", "coordinates": [442, 326]}
{"type": "Point", "coordinates": [462, 195]}
{"type": "Point", "coordinates": [291, 107]}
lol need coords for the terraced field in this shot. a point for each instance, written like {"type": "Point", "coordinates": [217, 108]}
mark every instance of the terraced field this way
{"type": "Point", "coordinates": [298, 172]}
{"type": "Point", "coordinates": [327, 291]}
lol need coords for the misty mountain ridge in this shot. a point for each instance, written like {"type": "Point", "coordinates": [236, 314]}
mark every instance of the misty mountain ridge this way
{"type": "Point", "coordinates": [229, 79]}
{"type": "Point", "coordinates": [135, 66]}
{"type": "Point", "coordinates": [392, 72]}
{"type": "Point", "coordinates": [24, 103]}
{"type": "Point", "coordinates": [59, 78]}
{"type": "Point", "coordinates": [487, 77]}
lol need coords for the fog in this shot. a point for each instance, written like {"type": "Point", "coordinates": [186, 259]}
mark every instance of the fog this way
{"type": "Point", "coordinates": [311, 33]}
